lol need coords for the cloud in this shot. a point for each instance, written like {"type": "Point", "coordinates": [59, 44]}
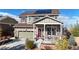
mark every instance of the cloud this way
{"type": "Point", "coordinates": [10, 15]}
{"type": "Point", "coordinates": [68, 21]}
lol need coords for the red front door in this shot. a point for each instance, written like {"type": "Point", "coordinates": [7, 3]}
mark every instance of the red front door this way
{"type": "Point", "coordinates": [39, 32]}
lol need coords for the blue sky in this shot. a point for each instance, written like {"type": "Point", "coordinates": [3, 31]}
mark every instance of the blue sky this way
{"type": "Point", "coordinates": [68, 16]}
{"type": "Point", "coordinates": [12, 11]}
{"type": "Point", "coordinates": [68, 12]}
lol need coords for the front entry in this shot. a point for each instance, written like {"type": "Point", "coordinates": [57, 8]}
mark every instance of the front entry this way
{"type": "Point", "coordinates": [39, 33]}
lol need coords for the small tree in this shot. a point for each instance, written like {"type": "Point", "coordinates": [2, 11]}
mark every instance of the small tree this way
{"type": "Point", "coordinates": [75, 30]}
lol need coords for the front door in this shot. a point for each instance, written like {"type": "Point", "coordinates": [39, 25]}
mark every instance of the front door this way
{"type": "Point", "coordinates": [39, 32]}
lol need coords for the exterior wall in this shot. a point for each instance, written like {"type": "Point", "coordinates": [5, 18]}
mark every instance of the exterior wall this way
{"type": "Point", "coordinates": [23, 20]}
{"type": "Point", "coordinates": [17, 30]}
{"type": "Point", "coordinates": [24, 33]}
{"type": "Point", "coordinates": [20, 29]}
{"type": "Point", "coordinates": [30, 19]}
{"type": "Point", "coordinates": [23, 29]}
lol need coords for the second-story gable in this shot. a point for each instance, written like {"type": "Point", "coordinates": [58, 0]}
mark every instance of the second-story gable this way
{"type": "Point", "coordinates": [36, 15]}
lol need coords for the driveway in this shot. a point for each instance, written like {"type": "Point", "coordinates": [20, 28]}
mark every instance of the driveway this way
{"type": "Point", "coordinates": [13, 45]}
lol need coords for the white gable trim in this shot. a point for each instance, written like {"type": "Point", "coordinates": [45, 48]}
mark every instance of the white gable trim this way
{"type": "Point", "coordinates": [47, 21]}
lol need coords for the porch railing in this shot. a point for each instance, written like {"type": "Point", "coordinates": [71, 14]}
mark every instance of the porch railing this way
{"type": "Point", "coordinates": [50, 38]}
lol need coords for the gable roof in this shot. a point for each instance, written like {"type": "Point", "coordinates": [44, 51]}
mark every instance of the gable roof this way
{"type": "Point", "coordinates": [8, 20]}
{"type": "Point", "coordinates": [48, 18]}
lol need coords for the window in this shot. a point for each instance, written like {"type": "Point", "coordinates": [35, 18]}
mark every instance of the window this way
{"type": "Point", "coordinates": [29, 18]}
{"type": "Point", "coordinates": [36, 17]}
{"type": "Point", "coordinates": [53, 32]}
{"type": "Point", "coordinates": [49, 31]}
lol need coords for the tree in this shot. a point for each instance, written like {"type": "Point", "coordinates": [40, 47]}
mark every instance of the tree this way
{"type": "Point", "coordinates": [75, 30]}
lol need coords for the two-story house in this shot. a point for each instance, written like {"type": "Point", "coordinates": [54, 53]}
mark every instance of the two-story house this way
{"type": "Point", "coordinates": [39, 24]}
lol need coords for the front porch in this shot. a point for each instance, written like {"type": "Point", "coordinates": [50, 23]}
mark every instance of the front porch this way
{"type": "Point", "coordinates": [48, 29]}
{"type": "Point", "coordinates": [47, 32]}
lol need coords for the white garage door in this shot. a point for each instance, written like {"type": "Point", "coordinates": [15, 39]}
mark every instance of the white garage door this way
{"type": "Point", "coordinates": [26, 35]}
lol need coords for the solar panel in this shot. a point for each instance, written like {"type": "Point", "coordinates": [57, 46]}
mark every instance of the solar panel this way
{"type": "Point", "coordinates": [43, 11]}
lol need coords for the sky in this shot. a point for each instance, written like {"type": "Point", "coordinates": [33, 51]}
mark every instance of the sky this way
{"type": "Point", "coordinates": [67, 16]}
{"type": "Point", "coordinates": [68, 12]}
{"type": "Point", "coordinates": [12, 11]}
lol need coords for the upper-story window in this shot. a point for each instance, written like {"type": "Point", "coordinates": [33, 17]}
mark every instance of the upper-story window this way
{"type": "Point", "coordinates": [29, 19]}
{"type": "Point", "coordinates": [37, 17]}
{"type": "Point", "coordinates": [23, 19]}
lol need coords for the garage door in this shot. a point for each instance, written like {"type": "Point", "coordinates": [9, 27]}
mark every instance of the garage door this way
{"type": "Point", "coordinates": [26, 35]}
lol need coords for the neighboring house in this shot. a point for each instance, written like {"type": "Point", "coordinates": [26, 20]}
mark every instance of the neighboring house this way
{"type": "Point", "coordinates": [8, 20]}
{"type": "Point", "coordinates": [6, 31]}
{"type": "Point", "coordinates": [39, 24]}
{"type": "Point", "coordinates": [6, 27]}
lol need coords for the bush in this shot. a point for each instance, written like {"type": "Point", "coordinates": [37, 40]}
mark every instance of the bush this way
{"type": "Point", "coordinates": [29, 44]}
{"type": "Point", "coordinates": [71, 41]}
{"type": "Point", "coordinates": [62, 44]}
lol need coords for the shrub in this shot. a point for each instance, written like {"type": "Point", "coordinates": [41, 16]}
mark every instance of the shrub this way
{"type": "Point", "coordinates": [71, 41]}
{"type": "Point", "coordinates": [29, 44]}
{"type": "Point", "coordinates": [62, 44]}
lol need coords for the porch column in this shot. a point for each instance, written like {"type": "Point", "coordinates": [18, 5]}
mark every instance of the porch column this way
{"type": "Point", "coordinates": [44, 31]}
{"type": "Point", "coordinates": [51, 30]}
{"type": "Point", "coordinates": [60, 30]}
{"type": "Point", "coordinates": [33, 31]}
